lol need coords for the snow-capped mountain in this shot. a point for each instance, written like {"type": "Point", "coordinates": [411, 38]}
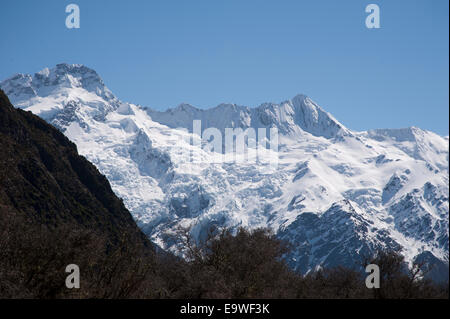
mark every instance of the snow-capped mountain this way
{"type": "Point", "coordinates": [336, 194]}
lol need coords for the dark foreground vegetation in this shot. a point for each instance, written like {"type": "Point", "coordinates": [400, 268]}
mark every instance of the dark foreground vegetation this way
{"type": "Point", "coordinates": [247, 265]}
{"type": "Point", "coordinates": [56, 209]}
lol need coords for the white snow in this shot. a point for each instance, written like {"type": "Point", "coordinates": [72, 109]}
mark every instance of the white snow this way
{"type": "Point", "coordinates": [330, 186]}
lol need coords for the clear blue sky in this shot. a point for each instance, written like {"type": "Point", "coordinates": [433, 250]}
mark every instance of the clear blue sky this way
{"type": "Point", "coordinates": [162, 53]}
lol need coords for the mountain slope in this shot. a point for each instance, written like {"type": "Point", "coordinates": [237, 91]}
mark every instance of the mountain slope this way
{"type": "Point", "coordinates": [43, 178]}
{"type": "Point", "coordinates": [56, 209]}
{"type": "Point", "coordinates": [336, 194]}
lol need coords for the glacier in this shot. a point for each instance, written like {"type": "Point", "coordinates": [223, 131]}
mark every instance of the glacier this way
{"type": "Point", "coordinates": [336, 196]}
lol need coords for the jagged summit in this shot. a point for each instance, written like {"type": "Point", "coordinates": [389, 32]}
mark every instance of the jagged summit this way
{"type": "Point", "coordinates": [62, 94]}
{"type": "Point", "coordinates": [292, 117]}
{"type": "Point", "coordinates": [400, 134]}
{"type": "Point", "coordinates": [66, 84]}
{"type": "Point", "coordinates": [63, 76]}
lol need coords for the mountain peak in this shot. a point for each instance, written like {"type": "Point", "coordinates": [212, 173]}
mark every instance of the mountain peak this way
{"type": "Point", "coordinates": [66, 83]}
{"type": "Point", "coordinates": [185, 107]}
{"type": "Point", "coordinates": [408, 134]}
{"type": "Point", "coordinates": [299, 98]}
{"type": "Point", "coordinates": [21, 87]}
{"type": "Point", "coordinates": [291, 117]}
{"type": "Point", "coordinates": [301, 112]}
{"type": "Point", "coordinates": [70, 75]}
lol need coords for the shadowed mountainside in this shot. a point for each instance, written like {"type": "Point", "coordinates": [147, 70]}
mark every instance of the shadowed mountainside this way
{"type": "Point", "coordinates": [43, 177]}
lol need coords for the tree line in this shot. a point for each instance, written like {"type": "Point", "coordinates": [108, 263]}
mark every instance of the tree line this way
{"type": "Point", "coordinates": [244, 264]}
